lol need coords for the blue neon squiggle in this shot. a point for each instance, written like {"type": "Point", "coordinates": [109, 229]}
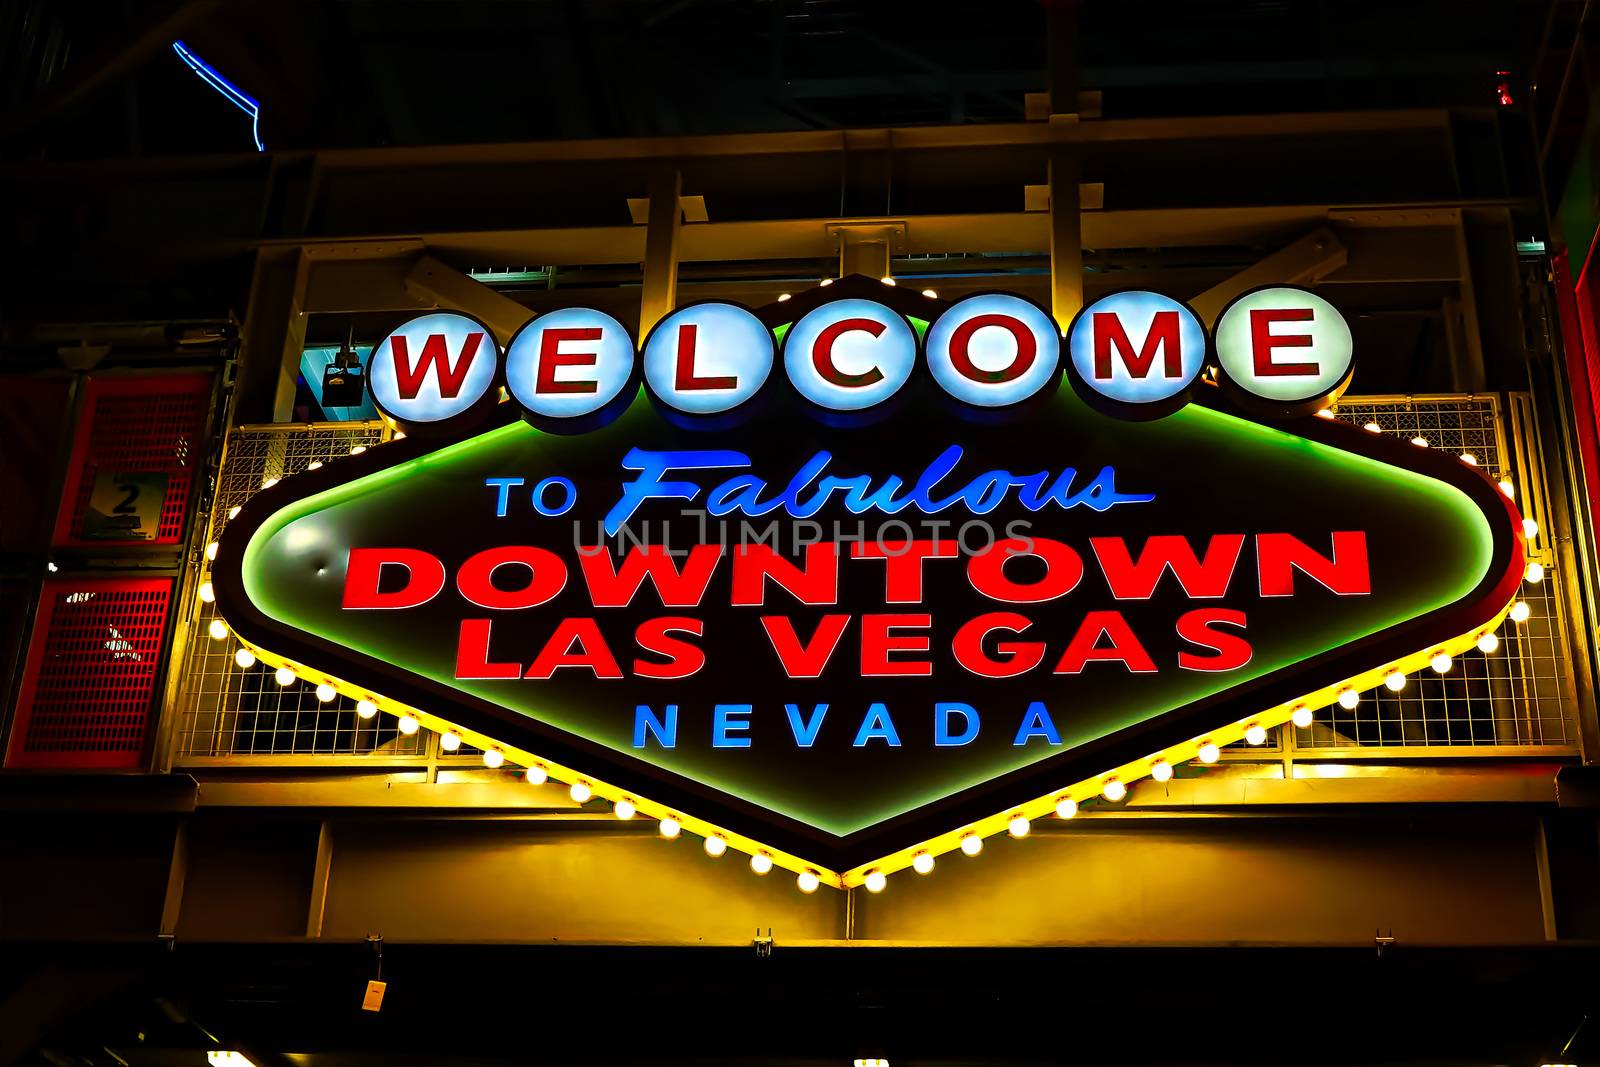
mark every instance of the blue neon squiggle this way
{"type": "Point", "coordinates": [234, 95]}
{"type": "Point", "coordinates": [810, 489]}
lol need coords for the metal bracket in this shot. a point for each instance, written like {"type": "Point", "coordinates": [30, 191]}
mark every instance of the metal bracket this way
{"type": "Point", "coordinates": [1383, 941]}
{"type": "Point", "coordinates": [762, 945]}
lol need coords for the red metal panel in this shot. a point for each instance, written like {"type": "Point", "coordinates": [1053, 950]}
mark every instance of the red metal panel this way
{"type": "Point", "coordinates": [91, 673]}
{"type": "Point", "coordinates": [152, 424]}
{"type": "Point", "coordinates": [1580, 336]}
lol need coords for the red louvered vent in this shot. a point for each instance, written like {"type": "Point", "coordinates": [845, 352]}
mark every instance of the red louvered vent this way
{"type": "Point", "coordinates": [139, 442]}
{"type": "Point", "coordinates": [91, 673]}
{"type": "Point", "coordinates": [1579, 309]}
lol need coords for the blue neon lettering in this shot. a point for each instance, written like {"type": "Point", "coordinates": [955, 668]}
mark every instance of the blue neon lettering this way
{"type": "Point", "coordinates": [942, 737]}
{"type": "Point", "coordinates": [1037, 723]}
{"type": "Point", "coordinates": [877, 726]}
{"type": "Point", "coordinates": [727, 719]}
{"type": "Point", "coordinates": [645, 721]}
{"type": "Point", "coordinates": [505, 486]}
{"type": "Point", "coordinates": [805, 730]}
{"type": "Point", "coordinates": [570, 498]}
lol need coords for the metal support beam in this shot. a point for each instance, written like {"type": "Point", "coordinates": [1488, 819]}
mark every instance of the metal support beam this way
{"type": "Point", "coordinates": [868, 248]}
{"type": "Point", "coordinates": [659, 285]}
{"type": "Point", "coordinates": [1467, 368]}
{"type": "Point", "coordinates": [1304, 262]}
{"type": "Point", "coordinates": [1066, 236]}
{"type": "Point", "coordinates": [321, 867]}
{"type": "Point", "coordinates": [177, 873]}
{"type": "Point", "coordinates": [450, 288]}
{"type": "Point", "coordinates": [274, 334]}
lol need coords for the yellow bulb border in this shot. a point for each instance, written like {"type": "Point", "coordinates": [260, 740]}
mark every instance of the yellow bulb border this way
{"type": "Point", "coordinates": [993, 825]}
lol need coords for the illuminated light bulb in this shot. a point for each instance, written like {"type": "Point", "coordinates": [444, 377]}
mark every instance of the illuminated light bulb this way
{"type": "Point", "coordinates": [1488, 643]}
{"type": "Point", "coordinates": [313, 465]}
{"type": "Point", "coordinates": [245, 658]}
{"type": "Point", "coordinates": [1440, 663]}
{"type": "Point", "coordinates": [269, 483]}
{"type": "Point", "coordinates": [1301, 716]}
{"type": "Point", "coordinates": [782, 297]}
{"type": "Point", "coordinates": [624, 809]}
{"type": "Point", "coordinates": [1469, 459]}
{"type": "Point", "coordinates": [886, 280]}
{"type": "Point", "coordinates": [1348, 699]}
{"type": "Point", "coordinates": [1395, 680]}
{"type": "Point", "coordinates": [233, 512]}
{"type": "Point", "coordinates": [399, 435]}
{"type": "Point", "coordinates": [580, 792]}
{"type": "Point", "coordinates": [1534, 573]}
{"type": "Point", "coordinates": [1520, 611]}
{"type": "Point", "coordinates": [1019, 826]}
{"type": "Point", "coordinates": [1506, 488]}
{"type": "Point", "coordinates": [1372, 427]}
{"type": "Point", "coordinates": [408, 725]}
{"type": "Point", "coordinates": [1066, 808]}
{"type": "Point", "coordinates": [493, 758]}
{"type": "Point", "coordinates": [875, 881]}
{"type": "Point", "coordinates": [1161, 771]}
{"type": "Point", "coordinates": [326, 692]}
{"type": "Point", "coordinates": [358, 449]}
{"type": "Point", "coordinates": [1209, 752]}
{"type": "Point", "coordinates": [1113, 789]}
{"type": "Point", "coordinates": [283, 676]}
{"type": "Point", "coordinates": [807, 881]}
{"type": "Point", "coordinates": [931, 294]}
{"type": "Point", "coordinates": [922, 862]}
{"type": "Point", "coordinates": [1326, 413]}
{"type": "Point", "coordinates": [218, 629]}
{"type": "Point", "coordinates": [1255, 734]}
{"type": "Point", "coordinates": [1420, 442]}
{"type": "Point", "coordinates": [670, 827]}
{"type": "Point", "coordinates": [1530, 529]}
{"type": "Point", "coordinates": [715, 846]}
{"type": "Point", "coordinates": [449, 740]}
{"type": "Point", "coordinates": [207, 593]}
{"type": "Point", "coordinates": [211, 551]}
{"type": "Point", "coordinates": [761, 863]}
{"type": "Point", "coordinates": [366, 709]}
{"type": "Point", "coordinates": [536, 775]}
{"type": "Point", "coordinates": [971, 844]}
{"type": "Point", "coordinates": [826, 281]}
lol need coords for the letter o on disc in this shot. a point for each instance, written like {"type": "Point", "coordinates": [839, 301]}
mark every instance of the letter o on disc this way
{"type": "Point", "coordinates": [708, 358]}
{"type": "Point", "coordinates": [994, 350]}
{"type": "Point", "coordinates": [1284, 350]}
{"type": "Point", "coordinates": [574, 364]}
{"type": "Point", "coordinates": [1135, 354]}
{"type": "Point", "coordinates": [850, 355]}
{"type": "Point", "coordinates": [434, 369]}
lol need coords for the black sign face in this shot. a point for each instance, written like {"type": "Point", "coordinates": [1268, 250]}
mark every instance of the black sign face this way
{"type": "Point", "coordinates": [841, 646]}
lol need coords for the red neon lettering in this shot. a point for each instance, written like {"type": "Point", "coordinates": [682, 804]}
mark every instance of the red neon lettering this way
{"type": "Point", "coordinates": [816, 583]}
{"type": "Point", "coordinates": [592, 651]}
{"type": "Point", "coordinates": [408, 379]}
{"type": "Point", "coordinates": [1019, 657]}
{"type": "Point", "coordinates": [1279, 555]}
{"type": "Point", "coordinates": [683, 658]}
{"type": "Point", "coordinates": [1263, 341]}
{"type": "Point", "coordinates": [1108, 332]}
{"type": "Point", "coordinates": [878, 640]}
{"type": "Point", "coordinates": [903, 564]}
{"type": "Point", "coordinates": [822, 353]}
{"type": "Point", "coordinates": [363, 576]}
{"type": "Point", "coordinates": [1199, 627]}
{"type": "Point", "coordinates": [961, 359]}
{"type": "Point", "coordinates": [552, 359]}
{"type": "Point", "coordinates": [1063, 570]}
{"type": "Point", "coordinates": [1131, 580]}
{"type": "Point", "coordinates": [1124, 648]}
{"type": "Point", "coordinates": [685, 380]}
{"type": "Point", "coordinates": [547, 574]}
{"type": "Point", "coordinates": [616, 588]}
{"type": "Point", "coordinates": [804, 660]}
{"type": "Point", "coordinates": [472, 654]}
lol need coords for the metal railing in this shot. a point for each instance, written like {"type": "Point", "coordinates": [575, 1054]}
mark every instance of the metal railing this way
{"type": "Point", "coordinates": [1518, 700]}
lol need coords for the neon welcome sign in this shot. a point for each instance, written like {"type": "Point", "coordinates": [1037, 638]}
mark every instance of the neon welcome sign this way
{"type": "Point", "coordinates": [848, 583]}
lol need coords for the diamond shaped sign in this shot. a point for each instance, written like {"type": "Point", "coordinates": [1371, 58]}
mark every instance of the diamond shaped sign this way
{"type": "Point", "coordinates": [843, 646]}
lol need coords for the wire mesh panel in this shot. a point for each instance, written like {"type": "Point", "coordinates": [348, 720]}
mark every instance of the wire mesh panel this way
{"type": "Point", "coordinates": [225, 709]}
{"type": "Point", "coordinates": [91, 671]}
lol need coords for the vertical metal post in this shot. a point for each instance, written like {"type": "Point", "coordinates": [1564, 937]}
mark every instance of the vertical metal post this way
{"type": "Point", "coordinates": [319, 879]}
{"type": "Point", "coordinates": [273, 336]}
{"type": "Point", "coordinates": [177, 872]}
{"type": "Point", "coordinates": [659, 289]}
{"type": "Point", "coordinates": [1066, 236]}
{"type": "Point", "coordinates": [1467, 375]}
